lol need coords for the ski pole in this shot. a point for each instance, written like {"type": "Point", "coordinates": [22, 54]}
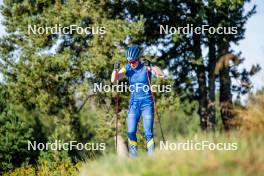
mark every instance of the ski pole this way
{"type": "Point", "coordinates": [153, 99]}
{"type": "Point", "coordinates": [116, 104]}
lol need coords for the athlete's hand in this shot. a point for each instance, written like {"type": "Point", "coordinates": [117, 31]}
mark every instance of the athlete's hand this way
{"type": "Point", "coordinates": [117, 65]}
{"type": "Point", "coordinates": [146, 62]}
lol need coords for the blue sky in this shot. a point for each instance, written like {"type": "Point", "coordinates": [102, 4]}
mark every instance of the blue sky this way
{"type": "Point", "coordinates": [1, 26]}
{"type": "Point", "coordinates": [252, 46]}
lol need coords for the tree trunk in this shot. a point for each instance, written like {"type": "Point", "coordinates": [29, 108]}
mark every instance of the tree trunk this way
{"type": "Point", "coordinates": [226, 104]}
{"type": "Point", "coordinates": [202, 84]}
{"type": "Point", "coordinates": [211, 70]}
{"type": "Point", "coordinates": [200, 71]}
{"type": "Point", "coordinates": [211, 84]}
{"type": "Point", "coordinates": [226, 98]}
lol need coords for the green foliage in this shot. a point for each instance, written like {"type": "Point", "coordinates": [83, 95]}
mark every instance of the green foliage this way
{"type": "Point", "coordinates": [64, 168]}
{"type": "Point", "coordinates": [182, 121]}
{"type": "Point", "coordinates": [97, 125]}
{"type": "Point", "coordinates": [44, 85]}
{"type": "Point", "coordinates": [14, 136]}
{"type": "Point", "coordinates": [13, 145]}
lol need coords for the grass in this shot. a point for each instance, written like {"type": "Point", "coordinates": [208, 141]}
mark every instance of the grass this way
{"type": "Point", "coordinates": [248, 159]}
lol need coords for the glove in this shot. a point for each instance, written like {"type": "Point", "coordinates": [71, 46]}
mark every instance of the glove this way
{"type": "Point", "coordinates": [117, 65]}
{"type": "Point", "coordinates": [146, 62]}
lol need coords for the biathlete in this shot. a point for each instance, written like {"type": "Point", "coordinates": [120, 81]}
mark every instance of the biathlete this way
{"type": "Point", "coordinates": [141, 101]}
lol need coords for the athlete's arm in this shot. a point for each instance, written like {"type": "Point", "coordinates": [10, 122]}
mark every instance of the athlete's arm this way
{"type": "Point", "coordinates": [157, 71]}
{"type": "Point", "coordinates": [116, 77]}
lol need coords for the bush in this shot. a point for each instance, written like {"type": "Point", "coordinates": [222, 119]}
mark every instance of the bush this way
{"type": "Point", "coordinates": [251, 118]}
{"type": "Point", "coordinates": [64, 168]}
{"type": "Point", "coordinates": [14, 135]}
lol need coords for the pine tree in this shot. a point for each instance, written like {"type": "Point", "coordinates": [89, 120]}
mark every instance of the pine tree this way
{"type": "Point", "coordinates": [182, 54]}
{"type": "Point", "coordinates": [230, 14]}
{"type": "Point", "coordinates": [45, 72]}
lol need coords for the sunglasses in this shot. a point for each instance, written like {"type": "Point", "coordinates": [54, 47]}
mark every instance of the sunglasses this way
{"type": "Point", "coordinates": [132, 62]}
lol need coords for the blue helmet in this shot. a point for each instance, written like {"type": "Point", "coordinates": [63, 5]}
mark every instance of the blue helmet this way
{"type": "Point", "coordinates": [133, 53]}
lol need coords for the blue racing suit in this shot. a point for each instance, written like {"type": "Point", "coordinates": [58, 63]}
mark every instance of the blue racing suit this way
{"type": "Point", "coordinates": [141, 103]}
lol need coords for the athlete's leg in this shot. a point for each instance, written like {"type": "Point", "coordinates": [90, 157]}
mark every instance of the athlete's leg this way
{"type": "Point", "coordinates": [132, 122]}
{"type": "Point", "coordinates": [147, 111]}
